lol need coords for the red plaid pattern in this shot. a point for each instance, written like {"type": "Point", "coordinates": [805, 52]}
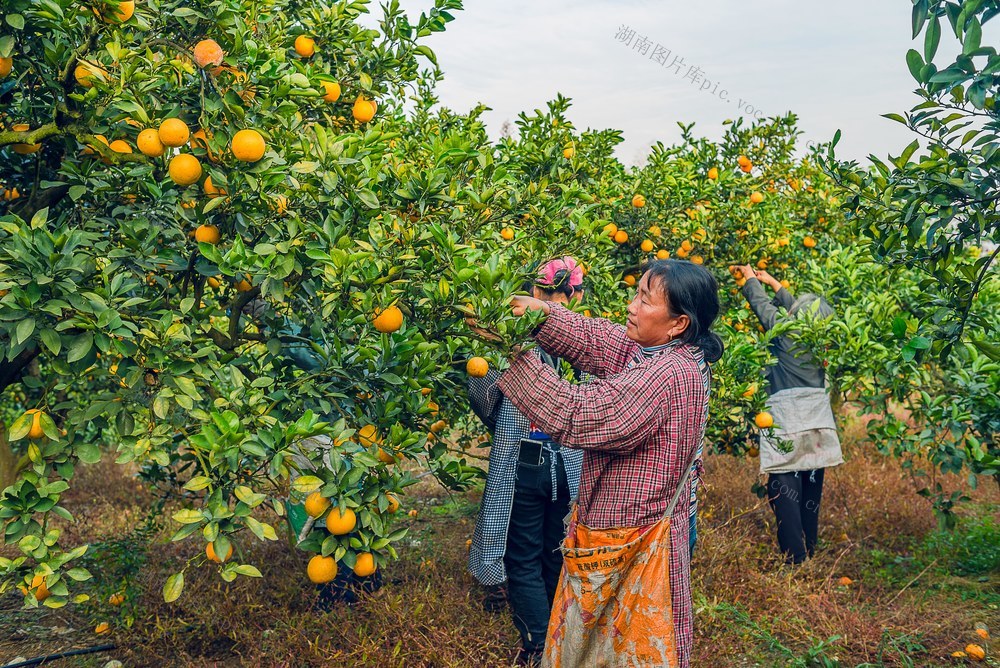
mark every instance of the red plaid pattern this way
{"type": "Point", "coordinates": [639, 426]}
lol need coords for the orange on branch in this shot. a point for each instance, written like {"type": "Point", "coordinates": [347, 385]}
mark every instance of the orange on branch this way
{"type": "Point", "coordinates": [149, 144]}
{"type": "Point", "coordinates": [208, 234]}
{"type": "Point", "coordinates": [321, 569]}
{"type": "Point", "coordinates": [207, 53]}
{"type": "Point", "coordinates": [212, 556]}
{"type": "Point", "coordinates": [305, 46]}
{"type": "Point", "coordinates": [388, 320]}
{"type": "Point", "coordinates": [316, 504]}
{"type": "Point", "coordinates": [184, 169]}
{"type": "Point", "coordinates": [173, 132]}
{"type": "Point", "coordinates": [764, 420]}
{"type": "Point", "coordinates": [646, 246]}
{"type": "Point", "coordinates": [621, 236]}
{"type": "Point", "coordinates": [332, 89]}
{"type": "Point", "coordinates": [6, 65]}
{"type": "Point", "coordinates": [638, 201]}
{"type": "Point", "coordinates": [363, 110]}
{"type": "Point", "coordinates": [364, 565]}
{"type": "Point", "coordinates": [340, 524]}
{"type": "Point", "coordinates": [477, 367]}
{"type": "Point", "coordinates": [248, 145]}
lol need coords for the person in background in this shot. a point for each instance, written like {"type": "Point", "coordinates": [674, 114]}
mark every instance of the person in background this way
{"type": "Point", "coordinates": [529, 486]}
{"type": "Point", "coordinates": [624, 595]}
{"type": "Point", "coordinates": [800, 405]}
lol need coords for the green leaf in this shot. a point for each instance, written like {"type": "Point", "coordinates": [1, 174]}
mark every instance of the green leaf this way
{"type": "Point", "coordinates": [25, 329]}
{"type": "Point", "coordinates": [50, 339]}
{"type": "Point", "coordinates": [173, 587]}
{"type": "Point", "coordinates": [15, 21]}
{"type": "Point", "coordinates": [198, 482]}
{"type": "Point", "coordinates": [368, 198]}
{"type": "Point", "coordinates": [188, 516]}
{"type": "Point", "coordinates": [932, 38]}
{"type": "Point", "coordinates": [915, 64]}
{"type": "Point", "coordinates": [80, 347]}
{"type": "Point", "coordinates": [973, 37]}
{"type": "Point", "coordinates": [307, 484]}
{"type": "Point", "coordinates": [88, 453]}
{"type": "Point", "coordinates": [248, 570]}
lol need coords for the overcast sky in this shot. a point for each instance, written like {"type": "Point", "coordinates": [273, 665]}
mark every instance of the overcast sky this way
{"type": "Point", "coordinates": [835, 64]}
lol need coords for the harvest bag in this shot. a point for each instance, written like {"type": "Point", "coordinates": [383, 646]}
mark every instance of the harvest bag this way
{"type": "Point", "coordinates": [613, 605]}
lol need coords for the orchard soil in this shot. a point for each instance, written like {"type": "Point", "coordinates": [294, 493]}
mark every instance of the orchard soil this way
{"type": "Point", "coordinates": [916, 593]}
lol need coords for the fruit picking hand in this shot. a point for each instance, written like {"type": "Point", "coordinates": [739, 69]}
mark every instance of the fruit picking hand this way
{"type": "Point", "coordinates": [520, 305]}
{"type": "Point", "coordinates": [745, 271]}
{"type": "Point", "coordinates": [768, 279]}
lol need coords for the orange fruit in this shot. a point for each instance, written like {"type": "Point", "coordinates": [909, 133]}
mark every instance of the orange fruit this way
{"type": "Point", "coordinates": [149, 144]}
{"type": "Point", "coordinates": [425, 391]}
{"type": "Point", "coordinates": [184, 169]}
{"type": "Point", "coordinates": [713, 173]}
{"type": "Point", "coordinates": [845, 581]}
{"type": "Point", "coordinates": [126, 8]}
{"type": "Point", "coordinates": [363, 110]}
{"type": "Point", "coordinates": [208, 52]}
{"type": "Point", "coordinates": [743, 161]}
{"type": "Point", "coordinates": [120, 146]}
{"type": "Point", "coordinates": [687, 245]}
{"type": "Point", "coordinates": [975, 652]}
{"type": "Point", "coordinates": [6, 65]}
{"type": "Point", "coordinates": [173, 132]}
{"type": "Point", "coordinates": [211, 189]}
{"type": "Point", "coordinates": [89, 151]}
{"type": "Point", "coordinates": [629, 280]}
{"type": "Point", "coordinates": [746, 168]}
{"type": "Point", "coordinates": [212, 556]}
{"type": "Point", "coordinates": [322, 569]}
{"type": "Point", "coordinates": [507, 234]}
{"type": "Point", "coordinates": [662, 254]}
{"type": "Point", "coordinates": [809, 242]}
{"type": "Point", "coordinates": [756, 198]}
{"type": "Point", "coordinates": [750, 391]}
{"type": "Point", "coordinates": [569, 152]}
{"type": "Point", "coordinates": [412, 513]}
{"type": "Point", "coordinates": [753, 451]}
{"type": "Point", "coordinates": [386, 457]}
{"type": "Point", "coordinates": [682, 252]}
{"type": "Point", "coordinates": [35, 431]}
{"type": "Point", "coordinates": [364, 565]}
{"type": "Point", "coordinates": [332, 89]}
{"type": "Point", "coordinates": [655, 230]}
{"type": "Point", "coordinates": [248, 145]}
{"type": "Point", "coordinates": [116, 599]}
{"type": "Point", "coordinates": [305, 46]}
{"type": "Point", "coordinates": [214, 282]}
{"type": "Point", "coordinates": [102, 628]}
{"type": "Point", "coordinates": [762, 263]}
{"type": "Point", "coordinates": [84, 73]}
{"type": "Point", "coordinates": [786, 285]}
{"type": "Point", "coordinates": [243, 285]}
{"type": "Point", "coordinates": [638, 201]}
{"type": "Point", "coordinates": [611, 229]}
{"type": "Point", "coordinates": [393, 503]}
{"type": "Point", "coordinates": [621, 236]}
{"type": "Point", "coordinates": [477, 367]}
{"type": "Point", "coordinates": [200, 140]}
{"type": "Point", "coordinates": [439, 426]}
{"type": "Point", "coordinates": [368, 435]}
{"type": "Point", "coordinates": [24, 149]}
{"type": "Point", "coordinates": [316, 504]}
{"type": "Point", "coordinates": [208, 234]}
{"type": "Point", "coordinates": [388, 320]}
{"type": "Point", "coordinates": [764, 420]}
{"type": "Point", "coordinates": [339, 523]}
{"type": "Point", "coordinates": [37, 587]}
{"type": "Point", "coordinates": [983, 633]}
{"type": "Point", "coordinates": [646, 246]}
{"type": "Point", "coordinates": [697, 259]}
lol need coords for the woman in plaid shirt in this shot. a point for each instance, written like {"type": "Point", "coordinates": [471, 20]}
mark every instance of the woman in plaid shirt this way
{"type": "Point", "coordinates": [639, 422]}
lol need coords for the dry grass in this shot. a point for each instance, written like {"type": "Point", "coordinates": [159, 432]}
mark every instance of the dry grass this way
{"type": "Point", "coordinates": [751, 610]}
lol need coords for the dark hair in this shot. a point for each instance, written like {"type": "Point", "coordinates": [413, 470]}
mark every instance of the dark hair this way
{"type": "Point", "coordinates": [560, 285]}
{"type": "Point", "coordinates": [691, 290]}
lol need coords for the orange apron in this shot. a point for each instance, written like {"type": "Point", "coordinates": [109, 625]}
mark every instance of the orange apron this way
{"type": "Point", "coordinates": [613, 605]}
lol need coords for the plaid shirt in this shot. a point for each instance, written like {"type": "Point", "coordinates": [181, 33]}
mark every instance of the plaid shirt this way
{"type": "Point", "coordinates": [639, 425]}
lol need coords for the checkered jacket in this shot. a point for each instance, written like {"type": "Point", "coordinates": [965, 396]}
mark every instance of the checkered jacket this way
{"type": "Point", "coordinates": [507, 426]}
{"type": "Point", "coordinates": [639, 423]}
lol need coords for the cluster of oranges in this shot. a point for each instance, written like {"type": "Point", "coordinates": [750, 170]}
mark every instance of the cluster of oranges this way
{"type": "Point", "coordinates": [338, 522]}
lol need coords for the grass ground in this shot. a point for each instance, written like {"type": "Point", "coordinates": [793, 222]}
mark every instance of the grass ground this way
{"type": "Point", "coordinates": [916, 596]}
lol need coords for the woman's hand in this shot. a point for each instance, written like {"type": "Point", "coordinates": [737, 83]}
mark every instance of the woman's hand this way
{"type": "Point", "coordinates": [745, 271]}
{"type": "Point", "coordinates": [520, 305]}
{"type": "Point", "coordinates": [768, 279]}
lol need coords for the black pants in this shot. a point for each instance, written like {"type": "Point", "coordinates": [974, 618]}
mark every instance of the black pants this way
{"type": "Point", "coordinates": [794, 498]}
{"type": "Point", "coordinates": [532, 559]}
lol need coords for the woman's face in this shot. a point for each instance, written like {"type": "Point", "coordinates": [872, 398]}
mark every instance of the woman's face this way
{"type": "Point", "coordinates": [649, 321]}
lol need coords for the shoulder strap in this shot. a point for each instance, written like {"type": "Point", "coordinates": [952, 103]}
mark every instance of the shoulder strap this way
{"type": "Point", "coordinates": [680, 485]}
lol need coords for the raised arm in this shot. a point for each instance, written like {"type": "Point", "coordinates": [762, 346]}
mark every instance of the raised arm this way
{"type": "Point", "coordinates": [763, 307]}
{"type": "Point", "coordinates": [485, 396]}
{"type": "Point", "coordinates": [593, 345]}
{"type": "Point", "coordinates": [611, 415]}
{"type": "Point", "coordinates": [782, 297]}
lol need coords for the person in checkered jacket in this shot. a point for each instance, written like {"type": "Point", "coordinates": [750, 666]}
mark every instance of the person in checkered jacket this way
{"type": "Point", "coordinates": [639, 423]}
{"type": "Point", "coordinates": [529, 486]}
